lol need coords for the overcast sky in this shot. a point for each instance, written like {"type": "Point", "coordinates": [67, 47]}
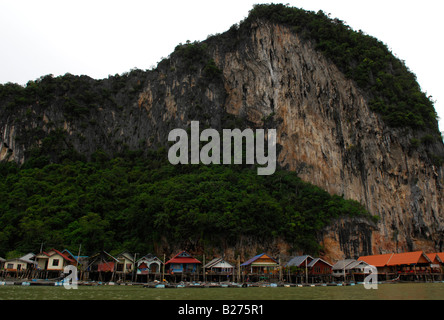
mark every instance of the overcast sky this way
{"type": "Point", "coordinates": [98, 38]}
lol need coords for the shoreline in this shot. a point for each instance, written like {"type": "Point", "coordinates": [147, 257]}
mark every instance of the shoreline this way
{"type": "Point", "coordinates": [159, 285]}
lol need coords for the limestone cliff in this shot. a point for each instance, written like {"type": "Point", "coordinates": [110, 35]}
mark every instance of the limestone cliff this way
{"type": "Point", "coordinates": [331, 138]}
{"type": "Point", "coordinates": [264, 76]}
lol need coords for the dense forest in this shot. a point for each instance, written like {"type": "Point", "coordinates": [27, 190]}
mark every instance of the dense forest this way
{"type": "Point", "coordinates": [133, 202]}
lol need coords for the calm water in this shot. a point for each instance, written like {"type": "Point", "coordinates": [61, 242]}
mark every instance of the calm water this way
{"type": "Point", "coordinates": [416, 291]}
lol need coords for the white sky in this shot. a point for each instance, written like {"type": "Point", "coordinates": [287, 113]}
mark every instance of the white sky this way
{"type": "Point", "coordinates": [98, 38]}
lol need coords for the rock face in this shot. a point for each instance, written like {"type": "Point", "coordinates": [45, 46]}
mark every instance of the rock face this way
{"type": "Point", "coordinates": [268, 77]}
{"type": "Point", "coordinates": [331, 138]}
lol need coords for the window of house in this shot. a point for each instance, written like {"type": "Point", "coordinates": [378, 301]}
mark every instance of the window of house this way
{"type": "Point", "coordinates": [55, 262]}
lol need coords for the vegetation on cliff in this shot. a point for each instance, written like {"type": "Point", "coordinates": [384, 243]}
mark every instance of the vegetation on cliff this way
{"type": "Point", "coordinates": [392, 88]}
{"type": "Point", "coordinates": [134, 202]}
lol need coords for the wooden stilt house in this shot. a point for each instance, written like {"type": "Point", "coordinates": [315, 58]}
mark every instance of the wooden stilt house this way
{"type": "Point", "coordinates": [183, 262]}
{"type": "Point", "coordinates": [101, 266]}
{"type": "Point", "coordinates": [260, 264]}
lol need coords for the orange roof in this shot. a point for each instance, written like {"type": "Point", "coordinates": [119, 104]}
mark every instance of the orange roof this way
{"type": "Point", "coordinates": [436, 257]}
{"type": "Point", "coordinates": [408, 258]}
{"type": "Point", "coordinates": [396, 259]}
{"type": "Point", "coordinates": [379, 260]}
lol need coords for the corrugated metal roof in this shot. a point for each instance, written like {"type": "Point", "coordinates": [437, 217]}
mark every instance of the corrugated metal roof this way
{"type": "Point", "coordinates": [149, 258]}
{"type": "Point", "coordinates": [126, 255]}
{"type": "Point", "coordinates": [218, 263]}
{"type": "Point", "coordinates": [356, 264]}
{"type": "Point", "coordinates": [343, 264]}
{"type": "Point", "coordinates": [248, 262]}
{"type": "Point", "coordinates": [27, 258]}
{"type": "Point", "coordinates": [349, 264]}
{"type": "Point", "coordinates": [101, 257]}
{"type": "Point", "coordinates": [299, 260]}
{"type": "Point", "coordinates": [316, 260]}
{"type": "Point", "coordinates": [224, 265]}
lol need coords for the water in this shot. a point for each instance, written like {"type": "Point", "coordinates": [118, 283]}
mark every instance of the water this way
{"type": "Point", "coordinates": [400, 291]}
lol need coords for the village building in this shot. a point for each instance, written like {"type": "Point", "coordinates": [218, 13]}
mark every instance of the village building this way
{"type": "Point", "coordinates": [350, 269]}
{"type": "Point", "coordinates": [305, 268]}
{"type": "Point", "coordinates": [53, 260]}
{"type": "Point", "coordinates": [148, 268]}
{"type": "Point", "coordinates": [101, 267]}
{"type": "Point", "coordinates": [149, 264]}
{"type": "Point", "coordinates": [183, 262]}
{"type": "Point", "coordinates": [21, 264]}
{"type": "Point", "coordinates": [407, 266]}
{"type": "Point", "coordinates": [218, 270]}
{"type": "Point", "coordinates": [78, 259]}
{"type": "Point", "coordinates": [219, 266]}
{"type": "Point", "coordinates": [341, 268]}
{"type": "Point", "coordinates": [81, 261]}
{"type": "Point", "coordinates": [379, 261]}
{"type": "Point", "coordinates": [319, 267]}
{"type": "Point", "coordinates": [410, 262]}
{"type": "Point", "coordinates": [260, 267]}
{"type": "Point", "coordinates": [437, 264]}
{"type": "Point", "coordinates": [125, 266]}
{"type": "Point", "coordinates": [299, 262]}
{"type": "Point", "coordinates": [52, 263]}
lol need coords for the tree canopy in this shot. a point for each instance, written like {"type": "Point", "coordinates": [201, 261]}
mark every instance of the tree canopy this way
{"type": "Point", "coordinates": [132, 202]}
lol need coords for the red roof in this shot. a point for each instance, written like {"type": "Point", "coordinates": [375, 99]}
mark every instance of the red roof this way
{"type": "Point", "coordinates": [183, 257]}
{"type": "Point", "coordinates": [64, 256]}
